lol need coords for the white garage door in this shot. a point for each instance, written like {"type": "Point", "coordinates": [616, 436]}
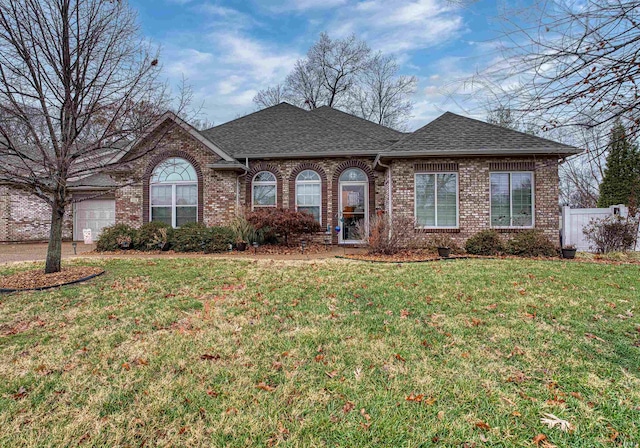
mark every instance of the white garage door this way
{"type": "Point", "coordinates": [94, 214]}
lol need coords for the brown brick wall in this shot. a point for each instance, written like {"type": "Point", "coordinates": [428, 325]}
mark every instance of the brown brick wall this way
{"type": "Point", "coordinates": [25, 217]}
{"type": "Point", "coordinates": [330, 170]}
{"type": "Point", "coordinates": [217, 189]}
{"type": "Point", "coordinates": [474, 190]}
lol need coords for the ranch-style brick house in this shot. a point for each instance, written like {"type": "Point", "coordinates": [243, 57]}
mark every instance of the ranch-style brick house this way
{"type": "Point", "coordinates": [456, 175]}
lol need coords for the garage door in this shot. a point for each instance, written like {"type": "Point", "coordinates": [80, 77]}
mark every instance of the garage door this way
{"type": "Point", "coordinates": [94, 214]}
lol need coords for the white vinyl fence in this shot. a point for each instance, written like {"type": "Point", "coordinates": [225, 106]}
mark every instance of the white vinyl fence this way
{"type": "Point", "coordinates": [576, 219]}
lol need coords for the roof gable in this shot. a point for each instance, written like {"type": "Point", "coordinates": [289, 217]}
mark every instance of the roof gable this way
{"type": "Point", "coordinates": [452, 134]}
{"type": "Point", "coordinates": [170, 116]}
{"type": "Point", "coordinates": [288, 131]}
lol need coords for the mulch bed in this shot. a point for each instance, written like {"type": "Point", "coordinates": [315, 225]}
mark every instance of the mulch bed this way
{"type": "Point", "coordinates": [412, 256]}
{"type": "Point", "coordinates": [267, 249]}
{"type": "Point", "coordinates": [37, 279]}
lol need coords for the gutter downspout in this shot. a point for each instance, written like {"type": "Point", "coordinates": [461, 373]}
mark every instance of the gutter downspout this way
{"type": "Point", "coordinates": [246, 164]}
{"type": "Point", "coordinates": [389, 184]}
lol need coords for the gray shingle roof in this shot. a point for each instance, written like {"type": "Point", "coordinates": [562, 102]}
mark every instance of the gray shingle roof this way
{"type": "Point", "coordinates": [286, 130]}
{"type": "Point", "coordinates": [358, 124]}
{"type": "Point", "coordinates": [100, 180]}
{"type": "Point", "coordinates": [452, 134]}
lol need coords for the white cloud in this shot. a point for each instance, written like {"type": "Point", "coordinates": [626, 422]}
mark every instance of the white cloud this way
{"type": "Point", "coordinates": [301, 5]}
{"type": "Point", "coordinates": [187, 62]}
{"type": "Point", "coordinates": [400, 26]}
{"type": "Point", "coordinates": [227, 76]}
{"type": "Point", "coordinates": [226, 18]}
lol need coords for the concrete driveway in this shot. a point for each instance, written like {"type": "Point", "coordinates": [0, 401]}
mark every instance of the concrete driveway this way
{"type": "Point", "coordinates": [38, 251]}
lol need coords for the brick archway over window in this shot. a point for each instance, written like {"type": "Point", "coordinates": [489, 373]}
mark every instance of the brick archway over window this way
{"type": "Point", "coordinates": [335, 187]}
{"type": "Point", "coordinates": [155, 161]}
{"type": "Point", "coordinates": [323, 187]}
{"type": "Point", "coordinates": [249, 179]}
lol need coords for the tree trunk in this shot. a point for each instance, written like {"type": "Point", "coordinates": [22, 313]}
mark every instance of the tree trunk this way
{"type": "Point", "coordinates": [54, 251]}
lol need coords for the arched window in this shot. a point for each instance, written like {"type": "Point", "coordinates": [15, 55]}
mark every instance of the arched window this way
{"type": "Point", "coordinates": [353, 175]}
{"type": "Point", "coordinates": [309, 193]}
{"type": "Point", "coordinates": [263, 187]}
{"type": "Point", "coordinates": [174, 192]}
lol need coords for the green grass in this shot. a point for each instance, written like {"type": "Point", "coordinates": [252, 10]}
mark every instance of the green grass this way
{"type": "Point", "coordinates": [339, 344]}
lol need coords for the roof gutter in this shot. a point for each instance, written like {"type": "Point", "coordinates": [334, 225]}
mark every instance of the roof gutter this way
{"type": "Point", "coordinates": [309, 155]}
{"type": "Point", "coordinates": [465, 153]}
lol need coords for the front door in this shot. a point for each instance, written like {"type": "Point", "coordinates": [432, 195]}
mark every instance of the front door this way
{"type": "Point", "coordinates": [354, 211]}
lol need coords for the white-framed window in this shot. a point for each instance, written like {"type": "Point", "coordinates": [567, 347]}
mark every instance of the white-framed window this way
{"type": "Point", "coordinates": [309, 194]}
{"type": "Point", "coordinates": [436, 200]}
{"type": "Point", "coordinates": [512, 199]}
{"type": "Point", "coordinates": [264, 190]}
{"type": "Point", "coordinates": [173, 193]}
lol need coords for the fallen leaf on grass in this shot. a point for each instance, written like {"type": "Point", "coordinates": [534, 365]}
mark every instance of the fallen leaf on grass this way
{"type": "Point", "coordinates": [331, 374]}
{"type": "Point", "coordinates": [399, 357]}
{"type": "Point", "coordinates": [126, 366]}
{"type": "Point", "coordinates": [208, 357]}
{"type": "Point", "coordinates": [22, 392]}
{"type": "Point", "coordinates": [264, 386]}
{"type": "Point", "coordinates": [483, 425]}
{"type": "Point", "coordinates": [348, 407]}
{"type": "Point", "coordinates": [593, 336]}
{"type": "Point", "coordinates": [552, 421]}
{"type": "Point", "coordinates": [538, 439]}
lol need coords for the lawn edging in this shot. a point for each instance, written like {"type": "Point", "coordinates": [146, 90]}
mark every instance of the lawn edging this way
{"type": "Point", "coordinates": [43, 288]}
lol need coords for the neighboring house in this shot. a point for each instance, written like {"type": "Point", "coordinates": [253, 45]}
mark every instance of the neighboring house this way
{"type": "Point", "coordinates": [455, 175]}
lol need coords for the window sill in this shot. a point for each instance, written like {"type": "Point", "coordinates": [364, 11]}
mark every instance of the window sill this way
{"type": "Point", "coordinates": [437, 229]}
{"type": "Point", "coordinates": [511, 229]}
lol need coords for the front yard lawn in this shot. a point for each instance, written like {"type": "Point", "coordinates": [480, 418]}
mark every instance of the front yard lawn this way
{"type": "Point", "coordinates": [205, 352]}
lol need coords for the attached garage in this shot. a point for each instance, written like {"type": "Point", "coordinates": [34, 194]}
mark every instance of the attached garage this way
{"type": "Point", "coordinates": [94, 214]}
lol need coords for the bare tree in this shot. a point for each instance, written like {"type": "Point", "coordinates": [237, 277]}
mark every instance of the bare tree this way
{"type": "Point", "coordinates": [383, 96]}
{"type": "Point", "coordinates": [271, 96]}
{"type": "Point", "coordinates": [77, 84]}
{"type": "Point", "coordinates": [343, 73]}
{"type": "Point", "coordinates": [340, 62]}
{"type": "Point", "coordinates": [572, 64]}
{"type": "Point", "coordinates": [304, 85]}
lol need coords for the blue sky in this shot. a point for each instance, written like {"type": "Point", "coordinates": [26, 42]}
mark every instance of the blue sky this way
{"type": "Point", "coordinates": [228, 50]}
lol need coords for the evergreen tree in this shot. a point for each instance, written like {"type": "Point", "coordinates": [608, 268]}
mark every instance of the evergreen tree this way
{"type": "Point", "coordinates": [621, 182]}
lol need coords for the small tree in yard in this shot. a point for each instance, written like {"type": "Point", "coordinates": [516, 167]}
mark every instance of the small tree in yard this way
{"type": "Point", "coordinates": [283, 222]}
{"type": "Point", "coordinates": [76, 79]}
{"type": "Point", "coordinates": [621, 182]}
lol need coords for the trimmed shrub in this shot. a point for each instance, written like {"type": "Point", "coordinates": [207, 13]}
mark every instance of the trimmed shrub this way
{"type": "Point", "coordinates": [152, 234]}
{"type": "Point", "coordinates": [531, 243]}
{"type": "Point", "coordinates": [196, 237]}
{"type": "Point", "coordinates": [443, 240]}
{"type": "Point", "coordinates": [221, 237]}
{"type": "Point", "coordinates": [611, 234]}
{"type": "Point", "coordinates": [192, 237]}
{"type": "Point", "coordinates": [112, 236]}
{"type": "Point", "coordinates": [485, 242]}
{"type": "Point", "coordinates": [283, 222]}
